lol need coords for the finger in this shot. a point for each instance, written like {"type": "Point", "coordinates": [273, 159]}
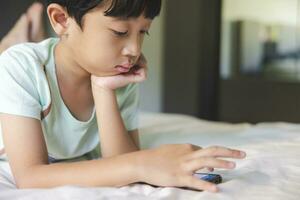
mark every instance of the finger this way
{"type": "Point", "coordinates": [198, 184]}
{"type": "Point", "coordinates": [136, 78]}
{"type": "Point", "coordinates": [208, 162]}
{"type": "Point", "coordinates": [217, 151]}
{"type": "Point", "coordinates": [137, 69]}
{"type": "Point", "coordinates": [134, 70]}
{"type": "Point", "coordinates": [205, 170]}
{"type": "Point", "coordinates": [140, 63]}
{"type": "Point", "coordinates": [210, 169]}
{"type": "Point", "coordinates": [141, 70]}
{"type": "Point", "coordinates": [190, 147]}
{"type": "Point", "coordinates": [142, 74]}
{"type": "Point", "coordinates": [196, 148]}
{"type": "Point", "coordinates": [142, 60]}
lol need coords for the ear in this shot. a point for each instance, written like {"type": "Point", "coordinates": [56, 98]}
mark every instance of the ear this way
{"type": "Point", "coordinates": [59, 18]}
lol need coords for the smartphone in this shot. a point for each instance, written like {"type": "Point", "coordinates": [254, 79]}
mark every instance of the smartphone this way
{"type": "Point", "coordinates": [213, 178]}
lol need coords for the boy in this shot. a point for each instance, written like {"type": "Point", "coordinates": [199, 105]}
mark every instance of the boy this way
{"type": "Point", "coordinates": [68, 98]}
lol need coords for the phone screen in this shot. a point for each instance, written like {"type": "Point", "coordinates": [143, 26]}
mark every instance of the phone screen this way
{"type": "Point", "coordinates": [213, 178]}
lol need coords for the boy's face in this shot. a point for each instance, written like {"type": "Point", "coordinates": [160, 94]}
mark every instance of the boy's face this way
{"type": "Point", "coordinates": [106, 42]}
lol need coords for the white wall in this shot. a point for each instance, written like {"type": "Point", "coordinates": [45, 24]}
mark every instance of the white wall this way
{"type": "Point", "coordinates": [268, 11]}
{"type": "Point", "coordinates": [283, 13]}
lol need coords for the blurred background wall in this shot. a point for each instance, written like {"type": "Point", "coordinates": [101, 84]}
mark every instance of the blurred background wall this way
{"type": "Point", "coordinates": [151, 90]}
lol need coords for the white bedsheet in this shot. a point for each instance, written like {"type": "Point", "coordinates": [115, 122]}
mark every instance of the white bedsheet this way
{"type": "Point", "coordinates": [271, 170]}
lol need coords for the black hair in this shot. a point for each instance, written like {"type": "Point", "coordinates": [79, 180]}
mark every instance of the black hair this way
{"type": "Point", "coordinates": [118, 8]}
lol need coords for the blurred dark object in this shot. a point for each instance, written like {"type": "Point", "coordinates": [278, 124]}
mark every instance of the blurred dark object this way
{"type": "Point", "coordinates": [10, 13]}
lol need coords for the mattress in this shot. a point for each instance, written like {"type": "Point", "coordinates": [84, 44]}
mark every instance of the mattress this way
{"type": "Point", "coordinates": [271, 170]}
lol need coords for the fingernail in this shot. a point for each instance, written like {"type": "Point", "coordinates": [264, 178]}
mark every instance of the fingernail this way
{"type": "Point", "coordinates": [231, 164]}
{"type": "Point", "coordinates": [243, 154]}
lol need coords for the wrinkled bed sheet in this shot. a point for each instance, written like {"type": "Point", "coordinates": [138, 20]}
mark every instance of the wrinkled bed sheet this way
{"type": "Point", "coordinates": [271, 170]}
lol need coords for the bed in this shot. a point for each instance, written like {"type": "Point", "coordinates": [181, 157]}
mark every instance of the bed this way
{"type": "Point", "coordinates": [271, 170]}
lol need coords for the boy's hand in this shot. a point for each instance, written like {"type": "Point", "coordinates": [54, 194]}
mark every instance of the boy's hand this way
{"type": "Point", "coordinates": [137, 73]}
{"type": "Point", "coordinates": [174, 165]}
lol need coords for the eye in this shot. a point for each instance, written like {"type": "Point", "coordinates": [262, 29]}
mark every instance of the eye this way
{"type": "Point", "coordinates": [145, 32]}
{"type": "Point", "coordinates": [118, 33]}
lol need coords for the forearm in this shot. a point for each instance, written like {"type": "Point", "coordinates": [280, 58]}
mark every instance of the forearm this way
{"type": "Point", "coordinates": [4, 44]}
{"type": "Point", "coordinates": [115, 171]}
{"type": "Point", "coordinates": [2, 47]}
{"type": "Point", "coordinates": [114, 137]}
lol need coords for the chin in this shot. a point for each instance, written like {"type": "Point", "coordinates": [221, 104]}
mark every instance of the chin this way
{"type": "Point", "coordinates": [104, 74]}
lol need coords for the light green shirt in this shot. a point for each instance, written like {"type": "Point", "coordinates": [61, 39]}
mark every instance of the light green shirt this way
{"type": "Point", "coordinates": [27, 90]}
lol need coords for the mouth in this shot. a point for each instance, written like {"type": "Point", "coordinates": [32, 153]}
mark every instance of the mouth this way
{"type": "Point", "coordinates": [124, 68]}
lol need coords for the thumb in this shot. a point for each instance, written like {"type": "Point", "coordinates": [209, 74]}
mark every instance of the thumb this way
{"type": "Point", "coordinates": [136, 78]}
{"type": "Point", "coordinates": [198, 184]}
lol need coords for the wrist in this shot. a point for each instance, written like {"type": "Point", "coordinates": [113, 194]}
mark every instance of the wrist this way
{"type": "Point", "coordinates": [138, 165]}
{"type": "Point", "coordinates": [130, 167]}
{"type": "Point", "coordinates": [99, 86]}
{"type": "Point", "coordinates": [96, 89]}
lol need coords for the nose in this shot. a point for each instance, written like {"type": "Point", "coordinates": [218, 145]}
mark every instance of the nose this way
{"type": "Point", "coordinates": [132, 48]}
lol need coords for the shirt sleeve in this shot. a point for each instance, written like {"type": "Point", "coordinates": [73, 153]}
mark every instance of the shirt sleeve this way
{"type": "Point", "coordinates": [129, 106]}
{"type": "Point", "coordinates": [18, 93]}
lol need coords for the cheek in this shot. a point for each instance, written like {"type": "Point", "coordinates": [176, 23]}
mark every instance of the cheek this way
{"type": "Point", "coordinates": [99, 55]}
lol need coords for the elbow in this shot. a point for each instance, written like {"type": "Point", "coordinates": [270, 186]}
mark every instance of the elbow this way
{"type": "Point", "coordinates": [29, 179]}
{"type": "Point", "coordinates": [26, 182]}
{"type": "Point", "coordinates": [23, 183]}
{"type": "Point", "coordinates": [29, 183]}
{"type": "Point", "coordinates": [23, 186]}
